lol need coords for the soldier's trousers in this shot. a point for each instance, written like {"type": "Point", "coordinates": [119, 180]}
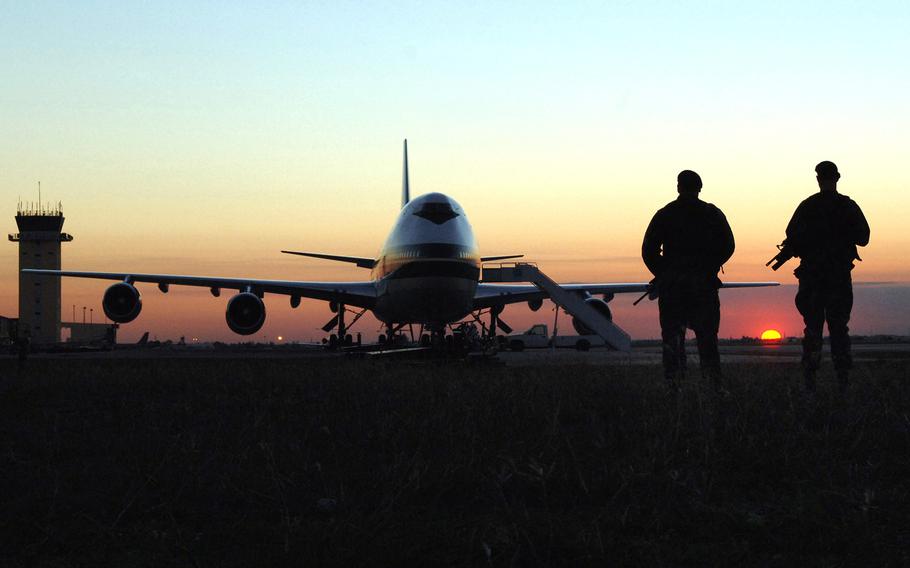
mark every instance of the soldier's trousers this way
{"type": "Point", "coordinates": [825, 298]}
{"type": "Point", "coordinates": [699, 310]}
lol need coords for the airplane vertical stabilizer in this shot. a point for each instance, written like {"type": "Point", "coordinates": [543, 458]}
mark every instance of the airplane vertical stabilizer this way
{"type": "Point", "coordinates": [405, 183]}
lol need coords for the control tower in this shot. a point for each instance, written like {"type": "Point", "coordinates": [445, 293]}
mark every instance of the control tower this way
{"type": "Point", "coordinates": [39, 237]}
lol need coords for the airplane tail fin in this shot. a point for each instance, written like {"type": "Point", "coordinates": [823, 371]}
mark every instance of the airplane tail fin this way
{"type": "Point", "coordinates": [405, 184]}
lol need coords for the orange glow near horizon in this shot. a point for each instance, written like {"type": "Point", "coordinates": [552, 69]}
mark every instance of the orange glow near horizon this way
{"type": "Point", "coordinates": [771, 335]}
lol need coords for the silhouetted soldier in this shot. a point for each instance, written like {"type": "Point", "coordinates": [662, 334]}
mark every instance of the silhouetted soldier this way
{"type": "Point", "coordinates": [684, 247]}
{"type": "Point", "coordinates": [824, 233]}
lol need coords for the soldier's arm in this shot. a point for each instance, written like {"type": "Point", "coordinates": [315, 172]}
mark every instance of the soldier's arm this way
{"type": "Point", "coordinates": [860, 227]}
{"type": "Point", "coordinates": [726, 242]}
{"type": "Point", "coordinates": [796, 230]}
{"type": "Point", "coordinates": [651, 244]}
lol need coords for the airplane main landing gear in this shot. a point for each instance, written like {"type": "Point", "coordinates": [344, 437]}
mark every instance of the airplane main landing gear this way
{"type": "Point", "coordinates": [341, 338]}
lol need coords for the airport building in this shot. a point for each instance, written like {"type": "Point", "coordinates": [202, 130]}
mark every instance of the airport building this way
{"type": "Point", "coordinates": [40, 236]}
{"type": "Point", "coordinates": [91, 333]}
{"type": "Point", "coordinates": [7, 330]}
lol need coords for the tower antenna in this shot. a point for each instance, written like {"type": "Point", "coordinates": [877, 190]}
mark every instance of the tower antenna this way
{"type": "Point", "coordinates": [39, 195]}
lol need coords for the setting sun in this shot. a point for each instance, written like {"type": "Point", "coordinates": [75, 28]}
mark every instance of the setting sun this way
{"type": "Point", "coordinates": [770, 335]}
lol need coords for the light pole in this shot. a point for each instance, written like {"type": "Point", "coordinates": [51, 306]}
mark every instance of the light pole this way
{"type": "Point", "coordinates": [83, 314]}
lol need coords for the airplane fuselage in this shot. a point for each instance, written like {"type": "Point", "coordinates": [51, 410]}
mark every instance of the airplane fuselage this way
{"type": "Point", "coordinates": [427, 271]}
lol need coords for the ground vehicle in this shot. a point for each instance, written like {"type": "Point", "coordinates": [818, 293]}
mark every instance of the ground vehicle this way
{"type": "Point", "coordinates": [538, 337]}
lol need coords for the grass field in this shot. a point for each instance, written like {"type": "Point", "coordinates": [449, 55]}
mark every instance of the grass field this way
{"type": "Point", "coordinates": [309, 462]}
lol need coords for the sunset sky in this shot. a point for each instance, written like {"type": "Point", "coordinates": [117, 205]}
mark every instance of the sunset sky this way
{"type": "Point", "coordinates": [204, 137]}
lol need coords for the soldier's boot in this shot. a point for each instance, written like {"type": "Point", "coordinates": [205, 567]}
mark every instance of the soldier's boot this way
{"type": "Point", "coordinates": [716, 379]}
{"type": "Point", "coordinates": [812, 358]}
{"type": "Point", "coordinates": [674, 380]}
{"type": "Point", "coordinates": [681, 376]}
{"type": "Point", "coordinates": [683, 359]}
{"type": "Point", "coordinates": [843, 381]}
{"type": "Point", "coordinates": [674, 362]}
{"type": "Point", "coordinates": [809, 380]}
{"type": "Point", "coordinates": [843, 362]}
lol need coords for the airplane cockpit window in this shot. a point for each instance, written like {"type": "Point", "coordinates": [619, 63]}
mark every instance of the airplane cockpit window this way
{"type": "Point", "coordinates": [437, 213]}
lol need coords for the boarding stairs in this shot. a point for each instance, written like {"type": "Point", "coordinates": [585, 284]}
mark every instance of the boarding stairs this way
{"type": "Point", "coordinates": [572, 302]}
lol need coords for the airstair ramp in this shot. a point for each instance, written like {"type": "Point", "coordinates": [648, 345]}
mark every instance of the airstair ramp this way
{"type": "Point", "coordinates": [571, 302]}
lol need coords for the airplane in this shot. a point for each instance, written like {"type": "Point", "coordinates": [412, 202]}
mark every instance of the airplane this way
{"type": "Point", "coordinates": [428, 272]}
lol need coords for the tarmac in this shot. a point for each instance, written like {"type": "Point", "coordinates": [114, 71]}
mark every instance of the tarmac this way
{"type": "Point", "coordinates": [651, 355]}
{"type": "Point", "coordinates": [640, 355]}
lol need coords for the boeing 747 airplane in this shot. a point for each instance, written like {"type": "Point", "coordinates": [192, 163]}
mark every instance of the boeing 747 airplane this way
{"type": "Point", "coordinates": [427, 273]}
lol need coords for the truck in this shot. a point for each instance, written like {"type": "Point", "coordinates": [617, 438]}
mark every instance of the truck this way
{"type": "Point", "coordinates": [538, 337]}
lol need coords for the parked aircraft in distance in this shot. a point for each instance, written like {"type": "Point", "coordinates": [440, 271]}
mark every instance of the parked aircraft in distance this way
{"type": "Point", "coordinates": [427, 273]}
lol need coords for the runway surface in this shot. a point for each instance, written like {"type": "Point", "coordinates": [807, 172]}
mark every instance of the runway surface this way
{"type": "Point", "coordinates": [640, 355]}
{"type": "Point", "coordinates": [651, 355]}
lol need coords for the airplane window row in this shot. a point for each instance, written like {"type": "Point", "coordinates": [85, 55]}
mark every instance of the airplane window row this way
{"type": "Point", "coordinates": [415, 253]}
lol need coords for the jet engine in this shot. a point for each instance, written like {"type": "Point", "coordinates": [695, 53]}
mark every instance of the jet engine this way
{"type": "Point", "coordinates": [245, 313]}
{"type": "Point", "coordinates": [601, 307]}
{"type": "Point", "coordinates": [121, 302]}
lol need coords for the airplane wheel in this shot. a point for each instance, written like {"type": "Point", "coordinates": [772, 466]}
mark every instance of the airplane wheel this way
{"type": "Point", "coordinates": [349, 339]}
{"type": "Point", "coordinates": [333, 341]}
{"type": "Point", "coordinates": [381, 339]}
{"type": "Point", "coordinates": [425, 340]}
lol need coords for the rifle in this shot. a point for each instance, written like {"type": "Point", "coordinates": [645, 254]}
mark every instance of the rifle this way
{"type": "Point", "coordinates": [650, 292]}
{"type": "Point", "coordinates": [785, 253]}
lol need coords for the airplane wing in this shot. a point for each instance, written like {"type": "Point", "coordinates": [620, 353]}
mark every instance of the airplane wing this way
{"type": "Point", "coordinates": [489, 295]}
{"type": "Point", "coordinates": [359, 294]}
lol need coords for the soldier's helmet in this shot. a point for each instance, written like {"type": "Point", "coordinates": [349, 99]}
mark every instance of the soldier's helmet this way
{"type": "Point", "coordinates": [688, 181]}
{"type": "Point", "coordinates": [827, 170]}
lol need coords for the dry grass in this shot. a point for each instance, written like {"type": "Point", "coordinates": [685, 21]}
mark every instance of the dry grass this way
{"type": "Point", "coordinates": [305, 462]}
